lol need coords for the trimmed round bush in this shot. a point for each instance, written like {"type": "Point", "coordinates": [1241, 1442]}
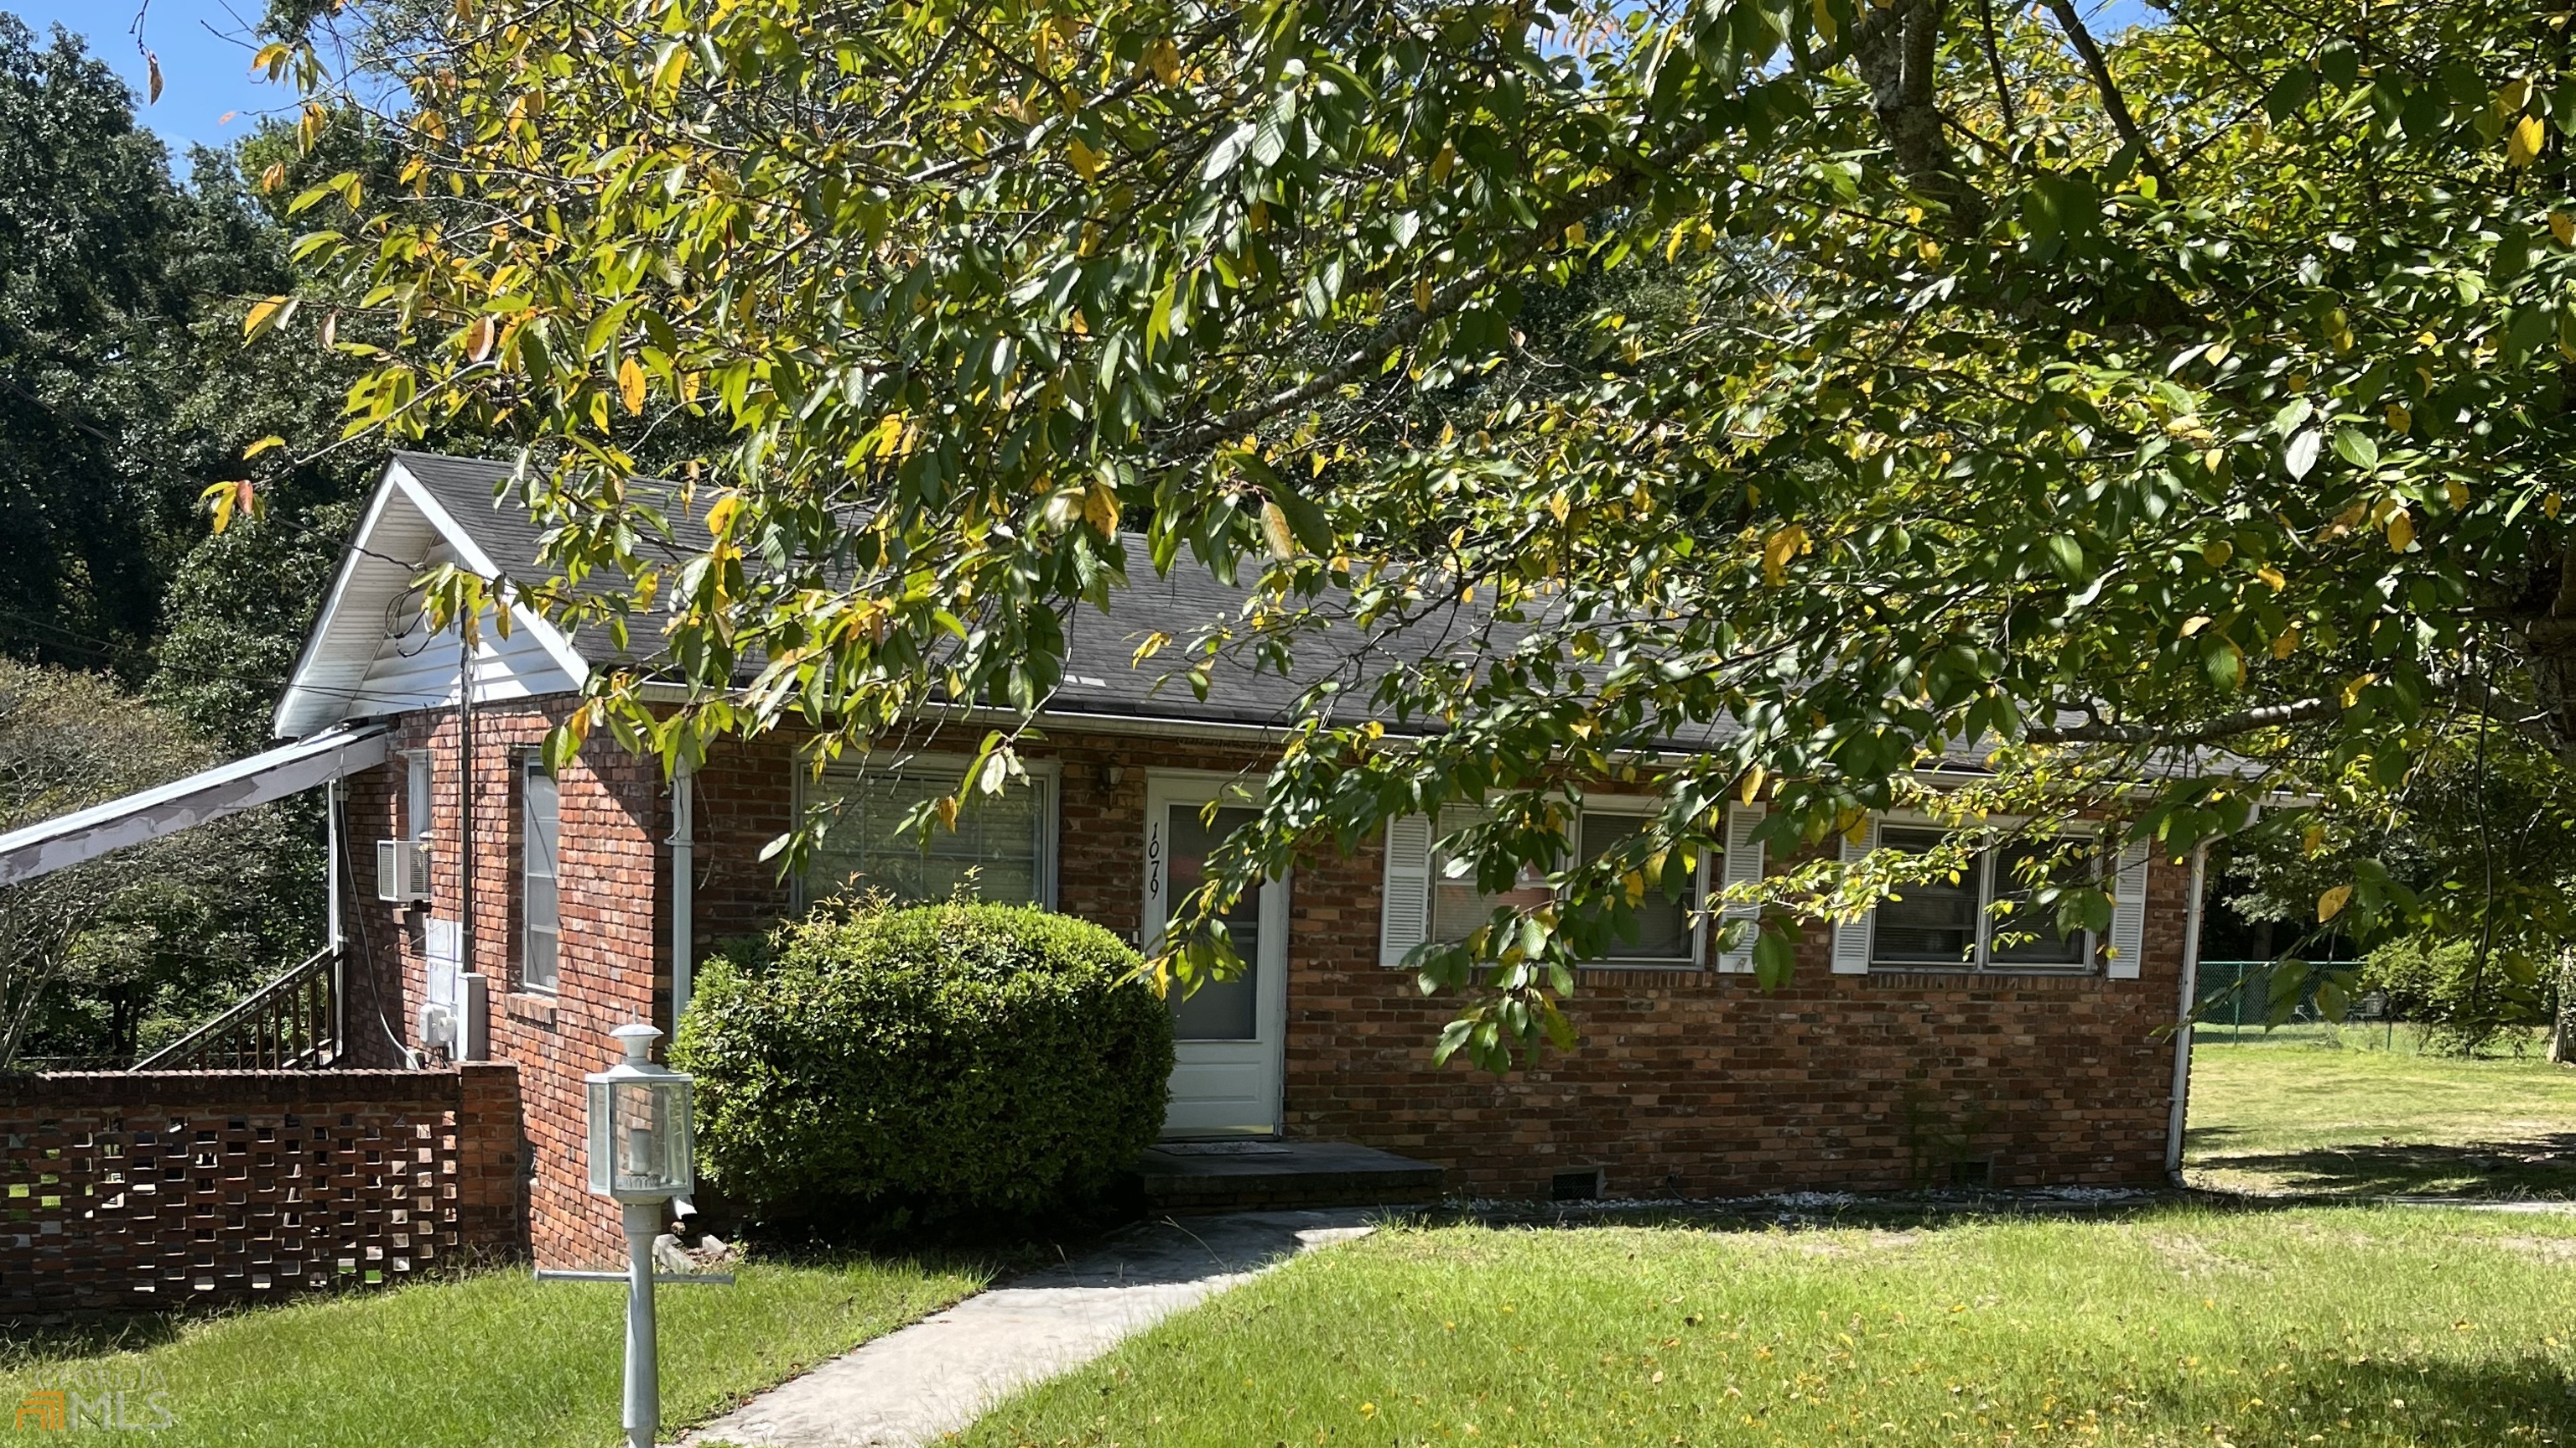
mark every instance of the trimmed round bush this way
{"type": "Point", "coordinates": [940, 1060]}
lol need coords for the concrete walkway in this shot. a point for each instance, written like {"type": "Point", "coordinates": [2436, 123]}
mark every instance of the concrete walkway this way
{"type": "Point", "coordinates": [938, 1375]}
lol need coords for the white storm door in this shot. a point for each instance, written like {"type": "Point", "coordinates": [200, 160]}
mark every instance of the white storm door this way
{"type": "Point", "coordinates": [1228, 1036]}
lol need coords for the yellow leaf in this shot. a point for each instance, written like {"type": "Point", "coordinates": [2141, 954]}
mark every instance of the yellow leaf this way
{"type": "Point", "coordinates": [2331, 903]}
{"type": "Point", "coordinates": [2523, 146]}
{"type": "Point", "coordinates": [1751, 789]}
{"type": "Point", "coordinates": [478, 338]}
{"type": "Point", "coordinates": [1778, 549]}
{"type": "Point", "coordinates": [630, 386]}
{"type": "Point", "coordinates": [2216, 552]}
{"type": "Point", "coordinates": [262, 314]}
{"type": "Point", "coordinates": [2287, 644]}
{"type": "Point", "coordinates": [1444, 163]}
{"type": "Point", "coordinates": [1154, 644]}
{"type": "Point", "coordinates": [1574, 234]}
{"type": "Point", "coordinates": [1422, 294]}
{"type": "Point", "coordinates": [2401, 532]}
{"type": "Point", "coordinates": [2563, 227]}
{"type": "Point", "coordinates": [2551, 504]}
{"type": "Point", "coordinates": [1824, 14]}
{"type": "Point", "coordinates": [2456, 493]}
{"type": "Point", "coordinates": [2352, 691]}
{"type": "Point", "coordinates": [1100, 509]}
{"type": "Point", "coordinates": [2195, 624]}
{"type": "Point", "coordinates": [2314, 841]}
{"type": "Point", "coordinates": [152, 78]}
{"type": "Point", "coordinates": [1165, 59]}
{"type": "Point", "coordinates": [261, 446]}
{"type": "Point", "coordinates": [1085, 160]}
{"type": "Point", "coordinates": [721, 512]}
{"type": "Point", "coordinates": [1275, 532]}
{"type": "Point", "coordinates": [2399, 419]}
{"type": "Point", "coordinates": [225, 499]}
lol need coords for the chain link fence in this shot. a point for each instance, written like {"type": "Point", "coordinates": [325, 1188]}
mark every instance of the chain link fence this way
{"type": "Point", "coordinates": [2232, 1001]}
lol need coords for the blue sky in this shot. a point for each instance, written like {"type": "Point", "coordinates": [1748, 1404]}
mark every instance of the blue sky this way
{"type": "Point", "coordinates": [205, 53]}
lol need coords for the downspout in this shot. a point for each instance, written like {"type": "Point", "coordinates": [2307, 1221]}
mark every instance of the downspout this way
{"type": "Point", "coordinates": [683, 889]}
{"type": "Point", "coordinates": [465, 960]}
{"type": "Point", "coordinates": [2182, 1017]}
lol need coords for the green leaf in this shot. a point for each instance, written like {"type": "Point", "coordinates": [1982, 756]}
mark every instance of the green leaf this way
{"type": "Point", "coordinates": [2356, 447]}
{"type": "Point", "coordinates": [2300, 455]}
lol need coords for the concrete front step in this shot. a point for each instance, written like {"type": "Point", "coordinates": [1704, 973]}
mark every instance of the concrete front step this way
{"type": "Point", "coordinates": [1268, 1173]}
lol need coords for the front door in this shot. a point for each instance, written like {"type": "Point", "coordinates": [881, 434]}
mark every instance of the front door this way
{"type": "Point", "coordinates": [1228, 1035]}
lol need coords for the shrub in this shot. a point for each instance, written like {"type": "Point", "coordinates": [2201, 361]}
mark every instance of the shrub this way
{"type": "Point", "coordinates": [958, 1060]}
{"type": "Point", "coordinates": [2441, 989]}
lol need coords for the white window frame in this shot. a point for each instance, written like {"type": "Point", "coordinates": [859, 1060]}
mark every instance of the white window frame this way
{"type": "Point", "coordinates": [532, 769]}
{"type": "Point", "coordinates": [1988, 857]}
{"type": "Point", "coordinates": [1044, 775]}
{"type": "Point", "coordinates": [419, 797]}
{"type": "Point", "coordinates": [1645, 806]}
{"type": "Point", "coordinates": [1399, 882]}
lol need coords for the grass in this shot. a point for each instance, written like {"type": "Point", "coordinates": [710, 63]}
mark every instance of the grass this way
{"type": "Point", "coordinates": [2306, 1115]}
{"type": "Point", "coordinates": [491, 1358]}
{"type": "Point", "coordinates": [2356, 1325]}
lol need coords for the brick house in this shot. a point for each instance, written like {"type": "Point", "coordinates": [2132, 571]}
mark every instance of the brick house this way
{"type": "Point", "coordinates": [1910, 1050]}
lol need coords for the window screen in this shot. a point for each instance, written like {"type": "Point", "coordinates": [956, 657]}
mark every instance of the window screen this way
{"type": "Point", "coordinates": [1663, 923]}
{"type": "Point", "coordinates": [541, 839]}
{"type": "Point", "coordinates": [1458, 906]}
{"type": "Point", "coordinates": [866, 847]}
{"type": "Point", "coordinates": [1936, 921]}
{"type": "Point", "coordinates": [2024, 933]}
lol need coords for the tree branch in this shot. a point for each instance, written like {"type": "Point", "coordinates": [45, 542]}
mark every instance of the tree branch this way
{"type": "Point", "coordinates": [2246, 721]}
{"type": "Point", "coordinates": [2112, 101]}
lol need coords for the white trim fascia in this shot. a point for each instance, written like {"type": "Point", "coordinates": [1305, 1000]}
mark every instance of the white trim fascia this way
{"type": "Point", "coordinates": [331, 601]}
{"type": "Point", "coordinates": [209, 794]}
{"type": "Point", "coordinates": [471, 554]}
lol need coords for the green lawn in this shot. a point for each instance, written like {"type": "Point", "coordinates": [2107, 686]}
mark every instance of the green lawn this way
{"type": "Point", "coordinates": [2360, 1325]}
{"type": "Point", "coordinates": [2297, 1115]}
{"type": "Point", "coordinates": [491, 1359]}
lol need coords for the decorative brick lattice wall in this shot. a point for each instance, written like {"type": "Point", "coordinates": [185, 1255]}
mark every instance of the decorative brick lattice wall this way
{"type": "Point", "coordinates": [124, 1191]}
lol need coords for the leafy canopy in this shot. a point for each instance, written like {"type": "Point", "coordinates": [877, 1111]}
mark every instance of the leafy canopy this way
{"type": "Point", "coordinates": [2063, 404]}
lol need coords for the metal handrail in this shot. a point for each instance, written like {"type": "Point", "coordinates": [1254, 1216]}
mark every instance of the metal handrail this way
{"type": "Point", "coordinates": [289, 1024]}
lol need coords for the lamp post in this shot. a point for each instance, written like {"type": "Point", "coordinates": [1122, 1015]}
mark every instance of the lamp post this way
{"type": "Point", "coordinates": [642, 1154]}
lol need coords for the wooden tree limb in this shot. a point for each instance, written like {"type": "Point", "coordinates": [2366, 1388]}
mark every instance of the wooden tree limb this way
{"type": "Point", "coordinates": [2113, 102]}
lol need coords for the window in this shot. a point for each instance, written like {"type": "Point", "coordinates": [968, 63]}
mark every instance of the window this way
{"type": "Point", "coordinates": [1983, 920]}
{"type": "Point", "coordinates": [1429, 897]}
{"type": "Point", "coordinates": [541, 846]}
{"type": "Point", "coordinates": [416, 797]}
{"type": "Point", "coordinates": [1667, 933]}
{"type": "Point", "coordinates": [1458, 904]}
{"type": "Point", "coordinates": [1005, 841]}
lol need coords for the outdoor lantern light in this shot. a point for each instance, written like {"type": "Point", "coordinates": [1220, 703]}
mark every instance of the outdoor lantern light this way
{"type": "Point", "coordinates": [642, 1154]}
{"type": "Point", "coordinates": [642, 1147]}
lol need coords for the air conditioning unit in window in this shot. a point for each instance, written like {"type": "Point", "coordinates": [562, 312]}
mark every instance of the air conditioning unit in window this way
{"type": "Point", "coordinates": [402, 871]}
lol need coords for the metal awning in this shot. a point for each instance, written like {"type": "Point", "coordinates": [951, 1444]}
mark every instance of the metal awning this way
{"type": "Point", "coordinates": [86, 834]}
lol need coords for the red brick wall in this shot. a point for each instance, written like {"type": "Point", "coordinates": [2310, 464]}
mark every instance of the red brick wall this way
{"type": "Point", "coordinates": [1685, 1083]}
{"type": "Point", "coordinates": [611, 969]}
{"type": "Point", "coordinates": [125, 1190]}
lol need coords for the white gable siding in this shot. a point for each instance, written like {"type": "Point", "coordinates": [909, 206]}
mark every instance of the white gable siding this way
{"type": "Point", "coordinates": [370, 654]}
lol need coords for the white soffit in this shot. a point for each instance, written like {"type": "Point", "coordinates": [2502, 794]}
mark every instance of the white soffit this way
{"type": "Point", "coordinates": [350, 668]}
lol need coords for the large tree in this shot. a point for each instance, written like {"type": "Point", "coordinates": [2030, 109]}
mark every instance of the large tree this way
{"type": "Point", "coordinates": [2088, 404]}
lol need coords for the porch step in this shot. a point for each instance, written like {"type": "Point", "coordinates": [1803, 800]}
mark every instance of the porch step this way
{"type": "Point", "coordinates": [1242, 1174]}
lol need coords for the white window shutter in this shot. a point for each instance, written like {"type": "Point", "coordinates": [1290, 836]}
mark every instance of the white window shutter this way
{"type": "Point", "coordinates": [1851, 937]}
{"type": "Point", "coordinates": [2129, 912]}
{"type": "Point", "coordinates": [1743, 867]}
{"type": "Point", "coordinates": [1404, 916]}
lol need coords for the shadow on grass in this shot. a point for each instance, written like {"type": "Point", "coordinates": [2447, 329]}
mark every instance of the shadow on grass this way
{"type": "Point", "coordinates": [2524, 1398]}
{"type": "Point", "coordinates": [2539, 1166]}
{"type": "Point", "coordinates": [26, 1345]}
